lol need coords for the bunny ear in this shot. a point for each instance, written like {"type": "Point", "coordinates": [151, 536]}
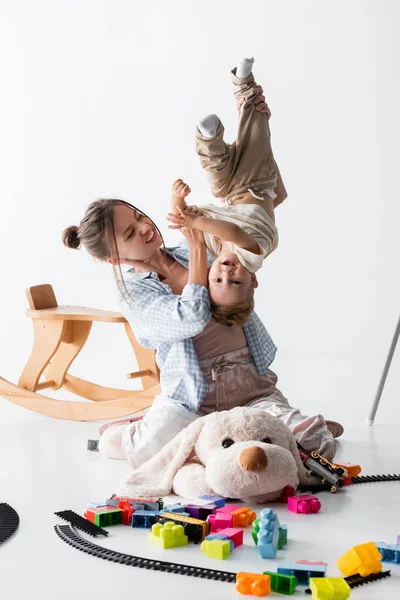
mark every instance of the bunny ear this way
{"type": "Point", "coordinates": [155, 477]}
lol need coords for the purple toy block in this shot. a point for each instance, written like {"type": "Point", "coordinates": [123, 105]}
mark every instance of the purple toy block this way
{"type": "Point", "coordinates": [200, 512]}
{"type": "Point", "coordinates": [398, 539]}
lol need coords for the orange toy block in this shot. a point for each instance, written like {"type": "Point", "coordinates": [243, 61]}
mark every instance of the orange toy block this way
{"type": "Point", "coordinates": [242, 517]}
{"type": "Point", "coordinates": [253, 583]}
{"type": "Point", "coordinates": [352, 470]}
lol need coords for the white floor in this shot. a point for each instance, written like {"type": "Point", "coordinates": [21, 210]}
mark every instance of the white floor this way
{"type": "Point", "coordinates": [45, 467]}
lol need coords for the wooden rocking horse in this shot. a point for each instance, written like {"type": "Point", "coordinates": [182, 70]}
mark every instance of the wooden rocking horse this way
{"type": "Point", "coordinates": [60, 333]}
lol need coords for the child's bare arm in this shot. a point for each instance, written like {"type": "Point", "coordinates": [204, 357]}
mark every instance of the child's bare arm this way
{"type": "Point", "coordinates": [225, 231]}
{"type": "Point", "coordinates": [180, 190]}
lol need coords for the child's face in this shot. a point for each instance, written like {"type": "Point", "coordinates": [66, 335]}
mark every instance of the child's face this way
{"type": "Point", "coordinates": [229, 283]}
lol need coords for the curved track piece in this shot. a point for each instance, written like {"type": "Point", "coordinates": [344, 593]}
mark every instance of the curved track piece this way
{"type": "Point", "coordinates": [69, 535]}
{"type": "Point", "coordinates": [81, 523]}
{"type": "Point", "coordinates": [9, 521]}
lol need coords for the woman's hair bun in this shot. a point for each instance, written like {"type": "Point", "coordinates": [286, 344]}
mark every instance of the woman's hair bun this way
{"type": "Point", "coordinates": [70, 237]}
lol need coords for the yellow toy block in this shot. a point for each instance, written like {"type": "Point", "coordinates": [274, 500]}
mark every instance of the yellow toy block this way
{"type": "Point", "coordinates": [253, 583]}
{"type": "Point", "coordinates": [168, 535]}
{"type": "Point", "coordinates": [220, 549]}
{"type": "Point", "coordinates": [329, 588]}
{"type": "Point", "coordinates": [363, 559]}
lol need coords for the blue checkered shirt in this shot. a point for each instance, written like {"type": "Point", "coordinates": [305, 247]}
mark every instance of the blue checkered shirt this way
{"type": "Point", "coordinates": [167, 322]}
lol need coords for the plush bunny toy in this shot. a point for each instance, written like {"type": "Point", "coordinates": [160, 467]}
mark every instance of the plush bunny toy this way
{"type": "Point", "coordinates": [242, 453]}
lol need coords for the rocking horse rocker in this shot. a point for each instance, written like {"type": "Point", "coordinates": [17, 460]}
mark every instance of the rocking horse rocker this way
{"type": "Point", "coordinates": [60, 333]}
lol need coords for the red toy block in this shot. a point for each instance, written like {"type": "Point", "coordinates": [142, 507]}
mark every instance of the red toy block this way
{"type": "Point", "coordinates": [304, 504]}
{"type": "Point", "coordinates": [234, 534]}
{"type": "Point", "coordinates": [127, 511]}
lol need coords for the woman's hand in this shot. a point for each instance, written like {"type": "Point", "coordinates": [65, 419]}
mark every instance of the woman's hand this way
{"type": "Point", "coordinates": [259, 102]}
{"type": "Point", "coordinates": [184, 218]}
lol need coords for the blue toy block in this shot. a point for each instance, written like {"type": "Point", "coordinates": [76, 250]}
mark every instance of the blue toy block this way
{"type": "Point", "coordinates": [217, 536]}
{"type": "Point", "coordinates": [390, 552]}
{"type": "Point", "coordinates": [167, 510]}
{"type": "Point", "coordinates": [303, 571]}
{"type": "Point", "coordinates": [284, 531]}
{"type": "Point", "coordinates": [268, 534]}
{"type": "Point", "coordinates": [175, 508]}
{"type": "Point", "coordinates": [220, 502]}
{"type": "Point", "coordinates": [144, 519]}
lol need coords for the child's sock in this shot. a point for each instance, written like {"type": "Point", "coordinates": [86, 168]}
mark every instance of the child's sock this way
{"type": "Point", "coordinates": [244, 68]}
{"type": "Point", "coordinates": [209, 125]}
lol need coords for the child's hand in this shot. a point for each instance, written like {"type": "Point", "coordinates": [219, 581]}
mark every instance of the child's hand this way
{"type": "Point", "coordinates": [180, 188]}
{"type": "Point", "coordinates": [259, 103]}
{"type": "Point", "coordinates": [183, 219]}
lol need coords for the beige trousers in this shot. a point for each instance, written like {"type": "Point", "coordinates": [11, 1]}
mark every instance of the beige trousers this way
{"type": "Point", "coordinates": [246, 163]}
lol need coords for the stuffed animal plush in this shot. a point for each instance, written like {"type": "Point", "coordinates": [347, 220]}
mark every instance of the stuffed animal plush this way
{"type": "Point", "coordinates": [242, 453]}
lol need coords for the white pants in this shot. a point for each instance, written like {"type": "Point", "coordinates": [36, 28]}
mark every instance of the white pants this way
{"type": "Point", "coordinates": [142, 439]}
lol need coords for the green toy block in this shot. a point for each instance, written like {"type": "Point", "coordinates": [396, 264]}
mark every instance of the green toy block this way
{"type": "Point", "coordinates": [282, 540]}
{"type": "Point", "coordinates": [108, 518]}
{"type": "Point", "coordinates": [169, 535]}
{"type": "Point", "coordinates": [283, 584]}
{"type": "Point", "coordinates": [255, 529]}
{"type": "Point", "coordinates": [329, 588]}
{"type": "Point", "coordinates": [219, 549]}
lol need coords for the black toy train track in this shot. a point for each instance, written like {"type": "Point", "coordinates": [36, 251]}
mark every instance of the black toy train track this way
{"type": "Point", "coordinates": [354, 480]}
{"type": "Point", "coordinates": [71, 536]}
{"type": "Point", "coordinates": [81, 523]}
{"type": "Point", "coordinates": [9, 521]}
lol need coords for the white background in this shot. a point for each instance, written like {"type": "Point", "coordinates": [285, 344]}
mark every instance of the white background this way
{"type": "Point", "coordinates": [101, 98]}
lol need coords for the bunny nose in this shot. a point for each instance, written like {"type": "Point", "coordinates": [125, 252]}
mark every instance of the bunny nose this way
{"type": "Point", "coordinates": [253, 459]}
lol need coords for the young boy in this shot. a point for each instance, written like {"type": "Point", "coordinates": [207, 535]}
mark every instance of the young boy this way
{"type": "Point", "coordinates": [242, 232]}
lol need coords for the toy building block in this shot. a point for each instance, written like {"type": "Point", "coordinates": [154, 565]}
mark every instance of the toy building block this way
{"type": "Point", "coordinates": [167, 536]}
{"type": "Point", "coordinates": [304, 504]}
{"type": "Point", "coordinates": [242, 516]}
{"type": "Point", "coordinates": [175, 508]}
{"type": "Point", "coordinates": [218, 536]}
{"type": "Point", "coordinates": [200, 511]}
{"type": "Point", "coordinates": [352, 470]}
{"type": "Point", "coordinates": [220, 502]}
{"type": "Point", "coordinates": [219, 521]}
{"type": "Point", "coordinates": [234, 534]}
{"type": "Point", "coordinates": [144, 519]}
{"type": "Point", "coordinates": [253, 583]}
{"type": "Point", "coordinates": [303, 570]}
{"type": "Point", "coordinates": [390, 552]}
{"type": "Point", "coordinates": [363, 559]}
{"type": "Point", "coordinates": [282, 584]}
{"type": "Point", "coordinates": [398, 539]}
{"type": "Point", "coordinates": [220, 549]}
{"type": "Point", "coordinates": [104, 516]}
{"type": "Point", "coordinates": [268, 534]}
{"type": "Point", "coordinates": [329, 588]}
{"type": "Point", "coordinates": [282, 540]}
{"type": "Point", "coordinates": [255, 529]}
{"type": "Point", "coordinates": [96, 504]}
{"type": "Point", "coordinates": [127, 512]}
{"type": "Point", "coordinates": [153, 504]}
{"type": "Point", "coordinates": [195, 529]}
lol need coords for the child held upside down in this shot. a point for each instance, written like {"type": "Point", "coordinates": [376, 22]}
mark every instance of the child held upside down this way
{"type": "Point", "coordinates": [241, 233]}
